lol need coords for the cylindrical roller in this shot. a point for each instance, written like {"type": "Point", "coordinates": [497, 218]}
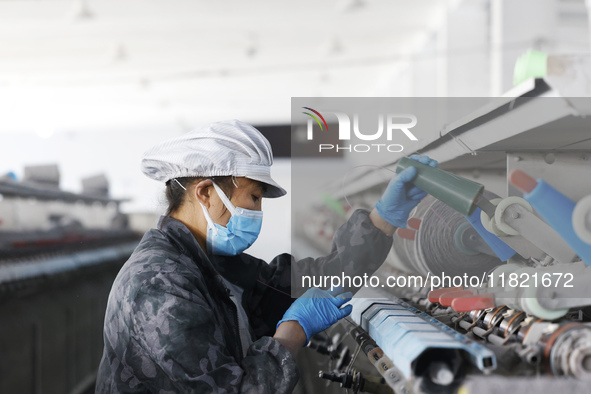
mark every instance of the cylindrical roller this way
{"type": "Point", "coordinates": [476, 302]}
{"type": "Point", "coordinates": [529, 303]}
{"type": "Point", "coordinates": [447, 298]}
{"type": "Point", "coordinates": [555, 208]}
{"type": "Point", "coordinates": [502, 206]}
{"type": "Point", "coordinates": [457, 192]}
{"type": "Point", "coordinates": [501, 249]}
{"type": "Point", "coordinates": [582, 219]}
{"type": "Point", "coordinates": [435, 294]}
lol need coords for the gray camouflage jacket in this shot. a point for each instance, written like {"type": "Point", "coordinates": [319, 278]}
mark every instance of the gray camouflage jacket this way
{"type": "Point", "coordinates": [171, 327]}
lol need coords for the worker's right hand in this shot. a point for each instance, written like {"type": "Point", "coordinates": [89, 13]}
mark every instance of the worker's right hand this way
{"type": "Point", "coordinates": [401, 196]}
{"type": "Point", "coordinates": [316, 310]}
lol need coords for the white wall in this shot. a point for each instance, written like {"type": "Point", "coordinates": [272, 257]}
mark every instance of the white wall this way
{"type": "Point", "coordinates": [472, 51]}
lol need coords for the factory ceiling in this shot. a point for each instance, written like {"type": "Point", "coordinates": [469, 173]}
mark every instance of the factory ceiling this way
{"type": "Point", "coordinates": [77, 65]}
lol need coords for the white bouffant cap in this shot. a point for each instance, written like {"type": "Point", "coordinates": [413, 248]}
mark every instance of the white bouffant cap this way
{"type": "Point", "coordinates": [218, 149]}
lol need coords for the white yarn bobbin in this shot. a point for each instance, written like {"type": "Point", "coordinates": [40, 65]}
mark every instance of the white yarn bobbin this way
{"type": "Point", "coordinates": [582, 219]}
{"type": "Point", "coordinates": [502, 206]}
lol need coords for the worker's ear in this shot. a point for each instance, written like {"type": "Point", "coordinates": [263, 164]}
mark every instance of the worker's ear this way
{"type": "Point", "coordinates": [202, 192]}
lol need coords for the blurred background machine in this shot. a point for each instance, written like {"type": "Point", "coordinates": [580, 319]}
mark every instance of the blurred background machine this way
{"type": "Point", "coordinates": [508, 222]}
{"type": "Point", "coordinates": [59, 254]}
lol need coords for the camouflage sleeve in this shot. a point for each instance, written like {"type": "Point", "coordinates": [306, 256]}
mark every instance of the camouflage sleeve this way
{"type": "Point", "coordinates": [181, 347]}
{"type": "Point", "coordinates": [358, 248]}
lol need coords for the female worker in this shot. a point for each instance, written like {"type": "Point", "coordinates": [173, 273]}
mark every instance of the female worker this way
{"type": "Point", "coordinates": [190, 312]}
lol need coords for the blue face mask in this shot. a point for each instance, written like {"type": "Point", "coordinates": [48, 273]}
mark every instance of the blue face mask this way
{"type": "Point", "coordinates": [242, 229]}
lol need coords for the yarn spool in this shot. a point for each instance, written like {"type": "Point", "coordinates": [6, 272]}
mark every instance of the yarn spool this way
{"type": "Point", "coordinates": [434, 249]}
{"type": "Point", "coordinates": [438, 249]}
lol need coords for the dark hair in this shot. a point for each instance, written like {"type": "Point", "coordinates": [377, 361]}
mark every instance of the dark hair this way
{"type": "Point", "coordinates": [175, 194]}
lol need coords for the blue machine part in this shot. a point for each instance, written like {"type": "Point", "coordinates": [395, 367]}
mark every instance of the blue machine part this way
{"type": "Point", "coordinates": [501, 249]}
{"type": "Point", "coordinates": [557, 210]}
{"type": "Point", "coordinates": [360, 305]}
{"type": "Point", "coordinates": [404, 334]}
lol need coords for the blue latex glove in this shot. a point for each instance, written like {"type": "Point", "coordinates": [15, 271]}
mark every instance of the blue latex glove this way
{"type": "Point", "coordinates": [316, 310]}
{"type": "Point", "coordinates": [401, 196]}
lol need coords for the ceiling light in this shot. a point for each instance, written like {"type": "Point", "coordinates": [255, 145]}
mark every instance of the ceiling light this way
{"type": "Point", "coordinates": [352, 5]}
{"type": "Point", "coordinates": [81, 11]}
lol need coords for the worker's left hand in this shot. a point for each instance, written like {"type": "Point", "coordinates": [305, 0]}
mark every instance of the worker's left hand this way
{"type": "Point", "coordinates": [401, 196]}
{"type": "Point", "coordinates": [317, 309]}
